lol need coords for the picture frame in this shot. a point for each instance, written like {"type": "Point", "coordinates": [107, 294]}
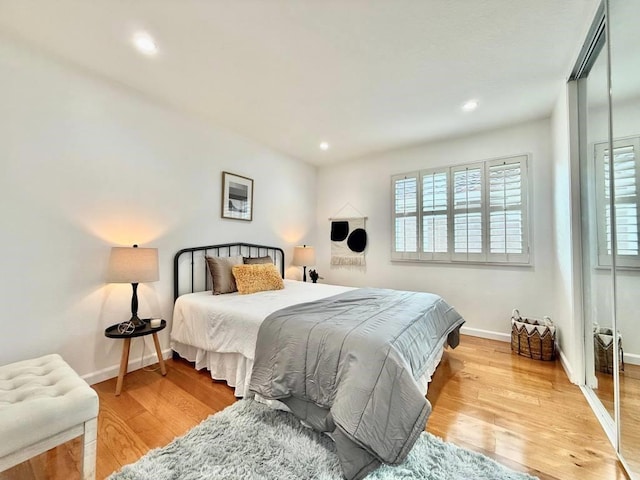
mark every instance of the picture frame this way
{"type": "Point", "coordinates": [237, 197]}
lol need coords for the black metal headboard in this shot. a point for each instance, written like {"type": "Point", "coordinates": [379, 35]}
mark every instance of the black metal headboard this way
{"type": "Point", "coordinates": [194, 259]}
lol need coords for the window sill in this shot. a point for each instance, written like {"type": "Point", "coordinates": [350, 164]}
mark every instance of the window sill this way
{"type": "Point", "coordinates": [461, 263]}
{"type": "Point", "coordinates": [619, 268]}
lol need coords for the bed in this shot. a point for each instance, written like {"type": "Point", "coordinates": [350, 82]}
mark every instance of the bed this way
{"type": "Point", "coordinates": [348, 337]}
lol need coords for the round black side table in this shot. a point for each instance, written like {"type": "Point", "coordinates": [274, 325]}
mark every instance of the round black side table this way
{"type": "Point", "coordinates": [112, 332]}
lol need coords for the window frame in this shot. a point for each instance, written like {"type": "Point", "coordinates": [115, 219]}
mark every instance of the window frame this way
{"type": "Point", "coordinates": [485, 257]}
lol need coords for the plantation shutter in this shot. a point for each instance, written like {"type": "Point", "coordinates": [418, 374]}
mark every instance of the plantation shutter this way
{"type": "Point", "coordinates": [625, 202]}
{"type": "Point", "coordinates": [468, 230]}
{"type": "Point", "coordinates": [507, 212]}
{"type": "Point", "coordinates": [405, 217]}
{"type": "Point", "coordinates": [474, 213]}
{"type": "Point", "coordinates": [435, 204]}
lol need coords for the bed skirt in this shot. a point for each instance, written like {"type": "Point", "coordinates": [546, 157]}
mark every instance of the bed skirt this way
{"type": "Point", "coordinates": [235, 369]}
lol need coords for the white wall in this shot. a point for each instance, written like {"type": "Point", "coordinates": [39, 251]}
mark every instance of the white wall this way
{"type": "Point", "coordinates": [87, 165]}
{"type": "Point", "coordinates": [484, 295]}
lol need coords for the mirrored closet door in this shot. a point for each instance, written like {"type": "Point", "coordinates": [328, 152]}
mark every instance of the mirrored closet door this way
{"type": "Point", "coordinates": [608, 81]}
{"type": "Point", "coordinates": [623, 18]}
{"type": "Point", "coordinates": [593, 105]}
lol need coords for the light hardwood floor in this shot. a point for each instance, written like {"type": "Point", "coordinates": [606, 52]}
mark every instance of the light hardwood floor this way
{"type": "Point", "coordinates": [523, 413]}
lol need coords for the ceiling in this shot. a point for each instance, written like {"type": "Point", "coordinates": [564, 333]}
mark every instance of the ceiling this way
{"type": "Point", "coordinates": [363, 75]}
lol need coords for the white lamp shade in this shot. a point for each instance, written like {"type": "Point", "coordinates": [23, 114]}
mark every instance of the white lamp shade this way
{"type": "Point", "coordinates": [304, 256]}
{"type": "Point", "coordinates": [133, 265]}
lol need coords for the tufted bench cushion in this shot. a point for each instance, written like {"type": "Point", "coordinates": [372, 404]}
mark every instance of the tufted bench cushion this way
{"type": "Point", "coordinates": [40, 398]}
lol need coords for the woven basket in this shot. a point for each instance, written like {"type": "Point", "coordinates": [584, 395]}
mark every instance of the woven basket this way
{"type": "Point", "coordinates": [603, 350]}
{"type": "Point", "coordinates": [533, 338]}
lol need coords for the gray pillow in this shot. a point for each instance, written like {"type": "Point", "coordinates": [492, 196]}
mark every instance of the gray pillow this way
{"type": "Point", "coordinates": [257, 260]}
{"type": "Point", "coordinates": [221, 274]}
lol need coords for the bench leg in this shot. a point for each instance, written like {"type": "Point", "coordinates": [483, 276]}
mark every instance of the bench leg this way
{"type": "Point", "coordinates": [89, 441]}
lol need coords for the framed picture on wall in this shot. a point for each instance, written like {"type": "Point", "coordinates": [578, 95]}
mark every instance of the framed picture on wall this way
{"type": "Point", "coordinates": [237, 197]}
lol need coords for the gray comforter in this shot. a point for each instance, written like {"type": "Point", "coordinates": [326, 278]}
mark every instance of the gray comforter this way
{"type": "Point", "coordinates": [348, 365]}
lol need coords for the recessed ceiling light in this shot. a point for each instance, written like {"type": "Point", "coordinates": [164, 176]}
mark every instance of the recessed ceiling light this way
{"type": "Point", "coordinates": [470, 106]}
{"type": "Point", "coordinates": [145, 43]}
{"type": "Point", "coordinates": [324, 146]}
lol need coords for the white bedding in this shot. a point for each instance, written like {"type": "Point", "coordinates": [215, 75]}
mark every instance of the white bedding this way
{"type": "Point", "coordinates": [219, 332]}
{"type": "Point", "coordinates": [229, 323]}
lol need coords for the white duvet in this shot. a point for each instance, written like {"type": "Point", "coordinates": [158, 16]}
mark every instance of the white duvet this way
{"type": "Point", "coordinates": [229, 323]}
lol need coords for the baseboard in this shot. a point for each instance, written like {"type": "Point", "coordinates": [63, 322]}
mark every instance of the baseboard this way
{"type": "Point", "coordinates": [112, 371]}
{"type": "Point", "coordinates": [476, 332]}
{"type": "Point", "coordinates": [632, 358]}
{"type": "Point", "coordinates": [564, 361]}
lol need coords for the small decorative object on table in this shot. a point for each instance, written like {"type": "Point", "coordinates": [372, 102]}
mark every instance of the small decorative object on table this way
{"type": "Point", "coordinates": [126, 328]}
{"type": "Point", "coordinates": [314, 276]}
{"type": "Point", "coordinates": [603, 349]}
{"type": "Point", "coordinates": [533, 338]}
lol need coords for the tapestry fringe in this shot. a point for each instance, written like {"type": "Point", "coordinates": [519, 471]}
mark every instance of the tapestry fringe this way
{"type": "Point", "coordinates": [357, 261]}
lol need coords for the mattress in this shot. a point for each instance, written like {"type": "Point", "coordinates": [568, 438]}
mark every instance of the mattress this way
{"type": "Point", "coordinates": [220, 332]}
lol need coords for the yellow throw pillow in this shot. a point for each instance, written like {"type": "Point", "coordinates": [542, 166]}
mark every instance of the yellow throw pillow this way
{"type": "Point", "coordinates": [257, 278]}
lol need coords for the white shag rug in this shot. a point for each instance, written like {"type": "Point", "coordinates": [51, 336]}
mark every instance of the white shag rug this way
{"type": "Point", "coordinates": [251, 441]}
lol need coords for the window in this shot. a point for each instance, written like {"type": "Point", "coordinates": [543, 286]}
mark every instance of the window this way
{"type": "Point", "coordinates": [625, 201]}
{"type": "Point", "coordinates": [469, 213]}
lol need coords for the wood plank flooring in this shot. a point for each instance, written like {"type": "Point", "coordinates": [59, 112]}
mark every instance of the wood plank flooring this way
{"type": "Point", "coordinates": [521, 412]}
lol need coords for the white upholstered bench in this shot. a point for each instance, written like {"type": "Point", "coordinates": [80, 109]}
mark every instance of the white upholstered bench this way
{"type": "Point", "coordinates": [44, 403]}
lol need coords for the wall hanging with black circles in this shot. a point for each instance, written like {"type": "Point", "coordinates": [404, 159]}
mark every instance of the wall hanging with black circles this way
{"type": "Point", "coordinates": [348, 241]}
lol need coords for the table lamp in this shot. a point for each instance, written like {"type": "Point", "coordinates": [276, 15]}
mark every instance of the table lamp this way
{"type": "Point", "coordinates": [303, 257]}
{"type": "Point", "coordinates": [133, 265]}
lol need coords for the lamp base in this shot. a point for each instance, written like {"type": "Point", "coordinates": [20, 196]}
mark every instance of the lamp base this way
{"type": "Point", "coordinates": [137, 322]}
